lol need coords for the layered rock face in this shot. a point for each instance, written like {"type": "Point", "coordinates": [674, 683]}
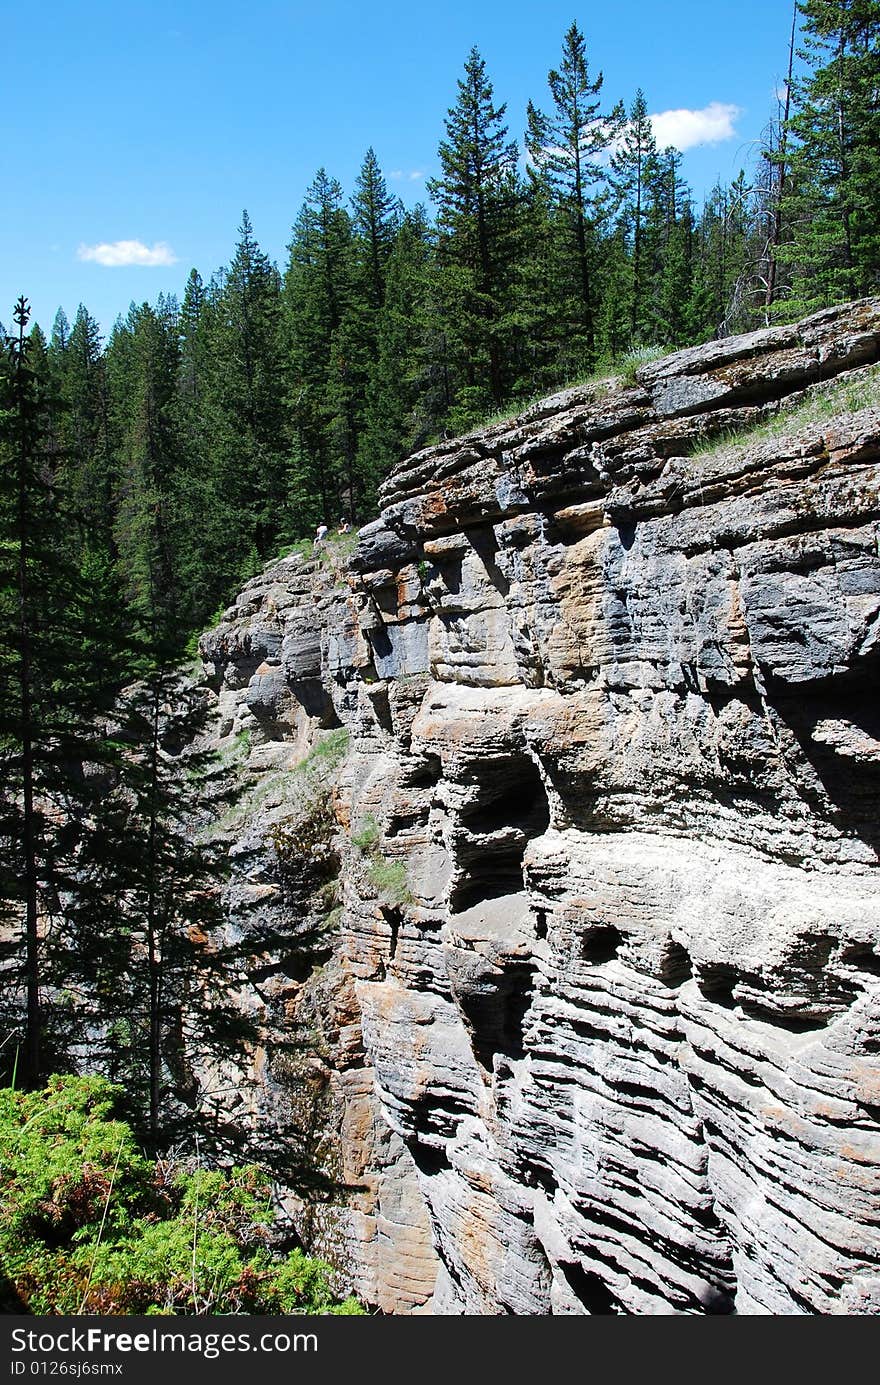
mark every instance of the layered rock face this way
{"type": "Point", "coordinates": [603, 1014]}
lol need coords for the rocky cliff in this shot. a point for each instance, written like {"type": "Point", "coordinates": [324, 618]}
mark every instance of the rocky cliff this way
{"type": "Point", "coordinates": [592, 1024]}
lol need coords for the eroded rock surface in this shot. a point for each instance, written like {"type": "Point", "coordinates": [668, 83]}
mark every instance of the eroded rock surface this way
{"type": "Point", "coordinates": [601, 1030]}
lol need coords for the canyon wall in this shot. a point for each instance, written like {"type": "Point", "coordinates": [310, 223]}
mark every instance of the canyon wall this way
{"type": "Point", "coordinates": [594, 1026]}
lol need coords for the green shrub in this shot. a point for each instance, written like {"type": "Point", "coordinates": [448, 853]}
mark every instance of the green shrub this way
{"type": "Point", "coordinates": [388, 878]}
{"type": "Point", "coordinates": [307, 837]}
{"type": "Point", "coordinates": [308, 840]}
{"type": "Point", "coordinates": [87, 1224]}
{"type": "Point", "coordinates": [626, 367]}
{"type": "Point", "coordinates": [329, 752]}
{"type": "Point", "coordinates": [366, 838]}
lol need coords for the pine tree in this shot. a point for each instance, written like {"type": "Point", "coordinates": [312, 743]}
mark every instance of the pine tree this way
{"type": "Point", "coordinates": [830, 204]}
{"type": "Point", "coordinates": [245, 391]}
{"type": "Point", "coordinates": [634, 169]}
{"type": "Point", "coordinates": [22, 501]}
{"type": "Point", "coordinates": [376, 218]}
{"type": "Point", "coordinates": [668, 250]}
{"type": "Point", "coordinates": [542, 360]}
{"type": "Point", "coordinates": [163, 888]}
{"type": "Point", "coordinates": [566, 147]}
{"type": "Point", "coordinates": [476, 199]}
{"type": "Point", "coordinates": [193, 345]}
{"type": "Point", "coordinates": [89, 468]}
{"type": "Point", "coordinates": [60, 332]}
{"type": "Point", "coordinates": [772, 183]}
{"type": "Point", "coordinates": [614, 323]}
{"type": "Point", "coordinates": [322, 364]}
{"type": "Point", "coordinates": [58, 673]}
{"type": "Point", "coordinates": [722, 250]}
{"type": "Point", "coordinates": [674, 286]}
{"type": "Point", "coordinates": [205, 523]}
{"type": "Point", "coordinates": [404, 399]}
{"type": "Point", "coordinates": [148, 458]}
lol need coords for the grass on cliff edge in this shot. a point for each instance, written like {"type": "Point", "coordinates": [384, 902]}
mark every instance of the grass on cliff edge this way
{"type": "Point", "coordinates": [824, 402]}
{"type": "Point", "coordinates": [333, 552]}
{"type": "Point", "coordinates": [610, 372]}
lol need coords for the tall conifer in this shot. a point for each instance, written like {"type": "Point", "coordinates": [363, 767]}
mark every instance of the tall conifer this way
{"type": "Point", "coordinates": [831, 198]}
{"type": "Point", "coordinates": [567, 145]}
{"type": "Point", "coordinates": [476, 199]}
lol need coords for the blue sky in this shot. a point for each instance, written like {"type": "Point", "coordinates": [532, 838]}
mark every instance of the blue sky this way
{"type": "Point", "coordinates": [153, 125]}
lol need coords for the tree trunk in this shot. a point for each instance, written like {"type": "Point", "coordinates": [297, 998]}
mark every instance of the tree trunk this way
{"type": "Point", "coordinates": [32, 1066]}
{"type": "Point", "coordinates": [776, 228]}
{"type": "Point", "coordinates": [637, 252]}
{"type": "Point", "coordinates": [586, 287]}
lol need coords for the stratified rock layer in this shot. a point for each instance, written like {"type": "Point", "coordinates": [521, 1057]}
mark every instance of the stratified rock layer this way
{"type": "Point", "coordinates": [609, 968]}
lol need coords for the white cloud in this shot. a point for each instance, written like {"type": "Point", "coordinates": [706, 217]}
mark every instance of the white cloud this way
{"type": "Point", "coordinates": [412, 175]}
{"type": "Point", "coordinates": [552, 151]}
{"type": "Point", "coordinates": [686, 129]}
{"type": "Point", "coordinates": [128, 252]}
